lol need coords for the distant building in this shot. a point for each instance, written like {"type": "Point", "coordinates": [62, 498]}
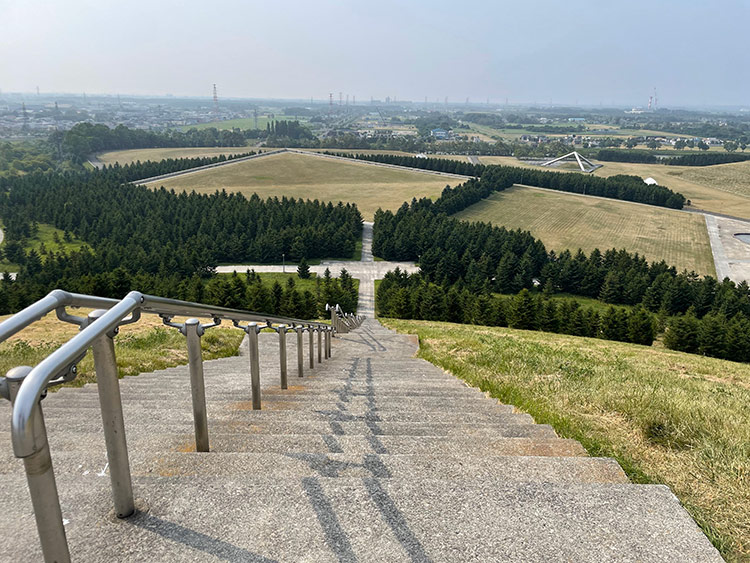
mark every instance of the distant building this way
{"type": "Point", "coordinates": [650, 181]}
{"type": "Point", "coordinates": [439, 133]}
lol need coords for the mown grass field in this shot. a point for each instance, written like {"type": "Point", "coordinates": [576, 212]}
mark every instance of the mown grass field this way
{"type": "Point", "coordinates": [311, 177]}
{"type": "Point", "coordinates": [722, 188]}
{"type": "Point", "coordinates": [45, 237]}
{"type": "Point", "coordinates": [141, 347]}
{"type": "Point", "coordinates": [129, 156]}
{"type": "Point", "coordinates": [667, 417]}
{"type": "Point", "coordinates": [570, 221]}
{"type": "Point", "coordinates": [269, 278]}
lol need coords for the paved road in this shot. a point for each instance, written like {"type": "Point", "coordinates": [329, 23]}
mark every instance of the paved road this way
{"type": "Point", "coordinates": [366, 242]}
{"type": "Point", "coordinates": [473, 159]}
{"type": "Point", "coordinates": [95, 162]}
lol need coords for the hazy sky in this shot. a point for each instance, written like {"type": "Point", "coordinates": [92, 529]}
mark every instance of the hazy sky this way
{"type": "Point", "coordinates": [567, 51]}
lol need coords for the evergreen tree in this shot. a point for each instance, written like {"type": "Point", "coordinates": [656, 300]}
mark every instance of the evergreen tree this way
{"type": "Point", "coordinates": [523, 313]}
{"type": "Point", "coordinates": [640, 327]}
{"type": "Point", "coordinates": [303, 269]}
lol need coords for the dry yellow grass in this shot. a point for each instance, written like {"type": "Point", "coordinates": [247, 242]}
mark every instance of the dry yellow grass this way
{"type": "Point", "coordinates": [141, 347]}
{"type": "Point", "coordinates": [723, 188]}
{"type": "Point", "coordinates": [129, 156]}
{"type": "Point", "coordinates": [571, 221]}
{"type": "Point", "coordinates": [312, 177]}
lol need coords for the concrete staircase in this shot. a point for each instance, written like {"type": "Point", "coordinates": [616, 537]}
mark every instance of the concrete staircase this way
{"type": "Point", "coordinates": [372, 456]}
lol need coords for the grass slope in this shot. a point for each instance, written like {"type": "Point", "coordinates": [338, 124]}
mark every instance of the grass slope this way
{"type": "Point", "coordinates": [132, 155]}
{"type": "Point", "coordinates": [667, 417]}
{"type": "Point", "coordinates": [722, 188]}
{"type": "Point", "coordinates": [570, 221]}
{"type": "Point", "coordinates": [45, 237]}
{"type": "Point", "coordinates": [311, 177]}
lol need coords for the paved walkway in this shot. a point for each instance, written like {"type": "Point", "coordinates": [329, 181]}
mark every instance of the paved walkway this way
{"type": "Point", "coordinates": [731, 255]}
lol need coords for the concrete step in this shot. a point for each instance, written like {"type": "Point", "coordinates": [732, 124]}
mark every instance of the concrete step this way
{"type": "Point", "coordinates": [277, 519]}
{"type": "Point", "coordinates": [240, 411]}
{"type": "Point", "coordinates": [436, 465]}
{"type": "Point", "coordinates": [62, 440]}
{"type": "Point", "coordinates": [386, 466]}
{"type": "Point", "coordinates": [179, 401]}
{"type": "Point", "coordinates": [260, 425]}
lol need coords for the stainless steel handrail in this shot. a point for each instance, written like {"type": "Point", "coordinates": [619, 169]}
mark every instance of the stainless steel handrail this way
{"type": "Point", "coordinates": [25, 386]}
{"type": "Point", "coordinates": [36, 381]}
{"type": "Point", "coordinates": [55, 299]}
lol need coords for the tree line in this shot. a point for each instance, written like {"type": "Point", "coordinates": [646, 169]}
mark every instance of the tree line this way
{"type": "Point", "coordinates": [86, 138]}
{"type": "Point", "coordinates": [248, 291]}
{"type": "Point", "coordinates": [648, 157]}
{"type": "Point", "coordinates": [405, 296]}
{"type": "Point", "coordinates": [623, 187]}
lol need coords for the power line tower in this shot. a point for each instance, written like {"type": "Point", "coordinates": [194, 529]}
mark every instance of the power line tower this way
{"type": "Point", "coordinates": [216, 100]}
{"type": "Point", "coordinates": [330, 104]}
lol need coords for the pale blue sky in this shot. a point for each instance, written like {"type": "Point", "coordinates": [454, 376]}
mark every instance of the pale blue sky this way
{"type": "Point", "coordinates": [693, 52]}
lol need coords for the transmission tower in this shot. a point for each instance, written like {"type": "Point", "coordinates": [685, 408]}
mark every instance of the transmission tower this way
{"type": "Point", "coordinates": [330, 104]}
{"type": "Point", "coordinates": [216, 100]}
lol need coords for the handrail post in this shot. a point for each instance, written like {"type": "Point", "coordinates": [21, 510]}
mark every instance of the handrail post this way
{"type": "Point", "coordinates": [108, 385]}
{"type": "Point", "coordinates": [41, 479]}
{"type": "Point", "coordinates": [252, 334]}
{"type": "Point", "coordinates": [193, 333]}
{"type": "Point", "coordinates": [326, 337]}
{"type": "Point", "coordinates": [282, 356]}
{"type": "Point", "coordinates": [300, 352]}
{"type": "Point", "coordinates": [311, 340]}
{"type": "Point", "coordinates": [320, 344]}
{"type": "Point", "coordinates": [330, 341]}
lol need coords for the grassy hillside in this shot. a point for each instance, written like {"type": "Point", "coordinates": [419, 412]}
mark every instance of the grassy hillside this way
{"type": "Point", "coordinates": [570, 221]}
{"type": "Point", "coordinates": [45, 237]}
{"type": "Point", "coordinates": [128, 156]}
{"type": "Point", "coordinates": [667, 417]}
{"type": "Point", "coordinates": [722, 188]}
{"type": "Point", "coordinates": [311, 177]}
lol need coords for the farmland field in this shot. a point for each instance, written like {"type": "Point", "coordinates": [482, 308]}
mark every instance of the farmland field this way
{"type": "Point", "coordinates": [570, 221]}
{"type": "Point", "coordinates": [132, 155]}
{"type": "Point", "coordinates": [722, 188]}
{"type": "Point", "coordinates": [311, 177]}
